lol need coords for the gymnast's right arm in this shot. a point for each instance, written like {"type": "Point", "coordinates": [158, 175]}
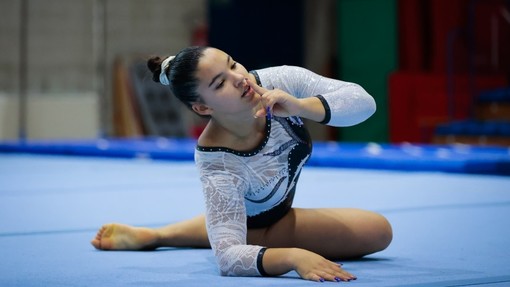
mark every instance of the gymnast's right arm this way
{"type": "Point", "coordinates": [224, 190]}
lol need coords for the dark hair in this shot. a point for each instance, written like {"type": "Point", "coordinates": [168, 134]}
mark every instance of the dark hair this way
{"type": "Point", "coordinates": [181, 73]}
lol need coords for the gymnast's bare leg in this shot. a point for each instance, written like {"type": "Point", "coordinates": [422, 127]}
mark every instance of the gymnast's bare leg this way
{"type": "Point", "coordinates": [188, 233]}
{"type": "Point", "coordinates": [333, 233]}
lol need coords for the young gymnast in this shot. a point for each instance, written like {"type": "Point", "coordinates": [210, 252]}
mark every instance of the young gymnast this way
{"type": "Point", "coordinates": [250, 156]}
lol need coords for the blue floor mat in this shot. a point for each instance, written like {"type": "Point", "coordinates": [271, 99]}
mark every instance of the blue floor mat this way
{"type": "Point", "coordinates": [450, 229]}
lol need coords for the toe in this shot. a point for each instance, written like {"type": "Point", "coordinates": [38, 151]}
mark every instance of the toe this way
{"type": "Point", "coordinates": [96, 243]}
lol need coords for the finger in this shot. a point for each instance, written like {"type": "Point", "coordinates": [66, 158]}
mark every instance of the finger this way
{"type": "Point", "coordinates": [338, 274]}
{"type": "Point", "coordinates": [336, 278]}
{"type": "Point", "coordinates": [344, 276]}
{"type": "Point", "coordinates": [259, 113]}
{"type": "Point", "coordinates": [263, 112]}
{"type": "Point", "coordinates": [316, 278]}
{"type": "Point", "coordinates": [258, 89]}
{"type": "Point", "coordinates": [327, 276]}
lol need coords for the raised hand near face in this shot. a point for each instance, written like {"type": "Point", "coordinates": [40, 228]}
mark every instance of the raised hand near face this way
{"type": "Point", "coordinates": [276, 102]}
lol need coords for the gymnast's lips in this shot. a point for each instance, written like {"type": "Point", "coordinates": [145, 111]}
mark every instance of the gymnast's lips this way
{"type": "Point", "coordinates": [247, 89]}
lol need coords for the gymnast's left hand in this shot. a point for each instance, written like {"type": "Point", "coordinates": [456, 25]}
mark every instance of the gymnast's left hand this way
{"type": "Point", "coordinates": [280, 103]}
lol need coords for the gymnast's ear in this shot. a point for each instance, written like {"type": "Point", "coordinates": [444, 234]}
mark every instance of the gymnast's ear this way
{"type": "Point", "coordinates": [201, 109]}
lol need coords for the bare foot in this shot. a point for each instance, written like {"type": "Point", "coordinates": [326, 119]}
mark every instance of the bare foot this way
{"type": "Point", "coordinates": [116, 236]}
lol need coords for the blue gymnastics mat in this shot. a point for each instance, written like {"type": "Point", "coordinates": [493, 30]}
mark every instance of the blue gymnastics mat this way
{"type": "Point", "coordinates": [405, 157]}
{"type": "Point", "coordinates": [450, 229]}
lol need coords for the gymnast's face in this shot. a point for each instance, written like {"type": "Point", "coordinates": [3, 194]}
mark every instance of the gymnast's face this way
{"type": "Point", "coordinates": [223, 86]}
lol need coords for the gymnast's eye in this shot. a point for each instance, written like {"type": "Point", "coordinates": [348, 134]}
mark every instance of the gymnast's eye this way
{"type": "Point", "coordinates": [234, 66]}
{"type": "Point", "coordinates": [220, 85]}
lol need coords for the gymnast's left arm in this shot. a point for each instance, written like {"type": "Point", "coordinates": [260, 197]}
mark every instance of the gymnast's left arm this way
{"type": "Point", "coordinates": [321, 99]}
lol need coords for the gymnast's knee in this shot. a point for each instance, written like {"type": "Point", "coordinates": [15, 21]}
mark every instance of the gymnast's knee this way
{"type": "Point", "coordinates": [384, 234]}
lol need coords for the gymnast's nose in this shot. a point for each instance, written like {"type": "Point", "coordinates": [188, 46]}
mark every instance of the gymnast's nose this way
{"type": "Point", "coordinates": [239, 80]}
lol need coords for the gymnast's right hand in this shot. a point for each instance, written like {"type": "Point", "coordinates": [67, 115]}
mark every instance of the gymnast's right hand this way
{"type": "Point", "coordinates": [309, 265]}
{"type": "Point", "coordinates": [312, 266]}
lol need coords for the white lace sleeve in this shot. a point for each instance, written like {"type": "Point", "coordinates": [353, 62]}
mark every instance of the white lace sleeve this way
{"type": "Point", "coordinates": [226, 215]}
{"type": "Point", "coordinates": [346, 103]}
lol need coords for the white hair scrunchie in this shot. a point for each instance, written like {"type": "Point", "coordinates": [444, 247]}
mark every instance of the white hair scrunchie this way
{"type": "Point", "coordinates": [163, 79]}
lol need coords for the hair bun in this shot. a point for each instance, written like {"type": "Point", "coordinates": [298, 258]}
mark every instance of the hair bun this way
{"type": "Point", "coordinates": [154, 64]}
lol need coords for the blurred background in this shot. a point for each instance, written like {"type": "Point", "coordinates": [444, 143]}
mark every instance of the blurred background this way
{"type": "Point", "coordinates": [75, 69]}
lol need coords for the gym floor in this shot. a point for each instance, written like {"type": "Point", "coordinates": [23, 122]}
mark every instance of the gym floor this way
{"type": "Point", "coordinates": [450, 229]}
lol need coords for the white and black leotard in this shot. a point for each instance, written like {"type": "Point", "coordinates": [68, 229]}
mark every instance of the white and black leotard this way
{"type": "Point", "coordinates": [252, 189]}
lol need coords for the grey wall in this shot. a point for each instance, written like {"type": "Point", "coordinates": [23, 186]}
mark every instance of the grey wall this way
{"type": "Point", "coordinates": [61, 37]}
{"type": "Point", "coordinates": [67, 55]}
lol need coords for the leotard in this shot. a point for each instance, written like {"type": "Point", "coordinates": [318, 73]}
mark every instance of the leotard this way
{"type": "Point", "coordinates": [253, 189]}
